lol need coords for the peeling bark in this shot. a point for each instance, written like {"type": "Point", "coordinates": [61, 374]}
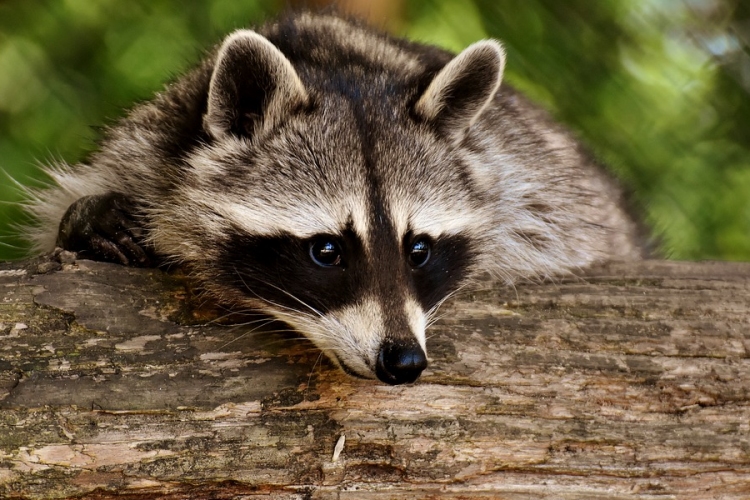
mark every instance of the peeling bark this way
{"type": "Point", "coordinates": [632, 381]}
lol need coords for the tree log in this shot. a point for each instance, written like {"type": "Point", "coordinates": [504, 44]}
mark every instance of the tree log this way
{"type": "Point", "coordinates": [631, 381]}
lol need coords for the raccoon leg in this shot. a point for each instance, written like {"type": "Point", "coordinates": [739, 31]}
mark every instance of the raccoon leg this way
{"type": "Point", "coordinates": [102, 227]}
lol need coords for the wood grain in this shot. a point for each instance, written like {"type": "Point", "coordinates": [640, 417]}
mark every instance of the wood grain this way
{"type": "Point", "coordinates": [631, 381]}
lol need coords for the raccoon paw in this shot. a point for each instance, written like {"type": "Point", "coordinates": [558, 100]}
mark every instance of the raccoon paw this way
{"type": "Point", "coordinates": [102, 227]}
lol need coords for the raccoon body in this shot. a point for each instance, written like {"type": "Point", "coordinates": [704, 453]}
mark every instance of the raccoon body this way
{"type": "Point", "coordinates": [343, 181]}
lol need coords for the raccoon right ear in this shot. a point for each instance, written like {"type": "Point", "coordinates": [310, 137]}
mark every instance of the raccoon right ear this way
{"type": "Point", "coordinates": [459, 93]}
{"type": "Point", "coordinates": [252, 88]}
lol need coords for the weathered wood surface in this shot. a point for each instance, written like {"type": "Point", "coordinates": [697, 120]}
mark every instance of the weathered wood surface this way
{"type": "Point", "coordinates": [632, 382]}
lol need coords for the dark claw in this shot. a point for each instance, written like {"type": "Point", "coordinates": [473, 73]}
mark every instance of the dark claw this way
{"type": "Point", "coordinates": [103, 249]}
{"type": "Point", "coordinates": [137, 254]}
{"type": "Point", "coordinates": [103, 227]}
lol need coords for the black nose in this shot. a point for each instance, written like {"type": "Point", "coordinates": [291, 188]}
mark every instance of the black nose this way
{"type": "Point", "coordinates": [399, 362]}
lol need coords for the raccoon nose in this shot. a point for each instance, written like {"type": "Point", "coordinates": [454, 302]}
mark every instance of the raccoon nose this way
{"type": "Point", "coordinates": [400, 363]}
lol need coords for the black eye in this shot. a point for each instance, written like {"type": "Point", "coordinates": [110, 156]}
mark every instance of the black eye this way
{"type": "Point", "coordinates": [325, 252]}
{"type": "Point", "coordinates": [419, 253]}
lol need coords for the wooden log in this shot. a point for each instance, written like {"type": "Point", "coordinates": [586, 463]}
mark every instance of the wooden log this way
{"type": "Point", "coordinates": [632, 381]}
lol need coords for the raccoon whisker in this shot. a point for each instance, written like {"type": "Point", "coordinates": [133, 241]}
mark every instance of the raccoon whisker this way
{"type": "Point", "coordinates": [515, 291]}
{"type": "Point", "coordinates": [261, 345]}
{"type": "Point", "coordinates": [294, 337]}
{"type": "Point", "coordinates": [292, 296]}
{"type": "Point", "coordinates": [434, 320]}
{"type": "Point", "coordinates": [335, 324]}
{"type": "Point", "coordinates": [286, 340]}
{"type": "Point", "coordinates": [254, 330]}
{"type": "Point", "coordinates": [243, 330]}
{"type": "Point", "coordinates": [216, 321]}
{"type": "Point", "coordinates": [271, 302]}
{"type": "Point", "coordinates": [290, 312]}
{"type": "Point", "coordinates": [302, 302]}
{"type": "Point", "coordinates": [508, 280]}
{"type": "Point", "coordinates": [312, 371]}
{"type": "Point", "coordinates": [249, 311]}
{"type": "Point", "coordinates": [275, 304]}
{"type": "Point", "coordinates": [266, 345]}
{"type": "Point", "coordinates": [304, 318]}
{"type": "Point", "coordinates": [431, 315]}
{"type": "Point", "coordinates": [437, 306]}
{"type": "Point", "coordinates": [428, 337]}
{"type": "Point", "coordinates": [507, 276]}
{"type": "Point", "coordinates": [312, 326]}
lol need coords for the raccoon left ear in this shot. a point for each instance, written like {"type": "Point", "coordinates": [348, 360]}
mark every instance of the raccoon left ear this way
{"type": "Point", "coordinates": [253, 86]}
{"type": "Point", "coordinates": [459, 93]}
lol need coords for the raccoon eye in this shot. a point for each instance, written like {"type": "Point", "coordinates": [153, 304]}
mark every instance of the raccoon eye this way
{"type": "Point", "coordinates": [325, 252]}
{"type": "Point", "coordinates": [419, 253]}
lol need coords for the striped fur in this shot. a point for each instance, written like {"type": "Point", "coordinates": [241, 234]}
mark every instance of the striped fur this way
{"type": "Point", "coordinates": [313, 125]}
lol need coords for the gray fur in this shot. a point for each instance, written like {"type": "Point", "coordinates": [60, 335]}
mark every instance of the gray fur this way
{"type": "Point", "coordinates": [355, 129]}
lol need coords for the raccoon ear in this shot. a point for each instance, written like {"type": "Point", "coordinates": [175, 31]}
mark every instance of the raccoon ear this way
{"type": "Point", "coordinates": [252, 88]}
{"type": "Point", "coordinates": [463, 88]}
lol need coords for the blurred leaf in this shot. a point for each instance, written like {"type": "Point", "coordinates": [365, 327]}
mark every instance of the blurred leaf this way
{"type": "Point", "coordinates": [658, 89]}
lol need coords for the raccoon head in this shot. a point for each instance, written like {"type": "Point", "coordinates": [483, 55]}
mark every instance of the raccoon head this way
{"type": "Point", "coordinates": [332, 199]}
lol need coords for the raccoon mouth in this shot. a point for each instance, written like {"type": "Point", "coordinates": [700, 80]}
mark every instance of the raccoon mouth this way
{"type": "Point", "coordinates": [348, 370]}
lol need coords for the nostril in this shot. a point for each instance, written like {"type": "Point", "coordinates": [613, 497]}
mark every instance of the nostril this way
{"type": "Point", "coordinates": [400, 363]}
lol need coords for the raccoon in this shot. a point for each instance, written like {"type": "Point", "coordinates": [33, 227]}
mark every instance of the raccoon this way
{"type": "Point", "coordinates": [343, 181]}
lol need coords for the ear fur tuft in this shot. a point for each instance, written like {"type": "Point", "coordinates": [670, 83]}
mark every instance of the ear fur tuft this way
{"type": "Point", "coordinates": [253, 86]}
{"type": "Point", "coordinates": [459, 93]}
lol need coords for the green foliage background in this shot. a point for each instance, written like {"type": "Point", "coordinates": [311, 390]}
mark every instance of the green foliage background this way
{"type": "Point", "coordinates": [658, 89]}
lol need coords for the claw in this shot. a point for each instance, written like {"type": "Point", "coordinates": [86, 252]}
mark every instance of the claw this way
{"type": "Point", "coordinates": [102, 227]}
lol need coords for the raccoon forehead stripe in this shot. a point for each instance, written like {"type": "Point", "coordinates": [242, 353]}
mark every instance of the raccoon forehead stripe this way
{"type": "Point", "coordinates": [435, 219]}
{"type": "Point", "coordinates": [304, 218]}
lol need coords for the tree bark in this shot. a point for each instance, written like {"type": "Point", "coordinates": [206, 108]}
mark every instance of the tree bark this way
{"type": "Point", "coordinates": [631, 381]}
